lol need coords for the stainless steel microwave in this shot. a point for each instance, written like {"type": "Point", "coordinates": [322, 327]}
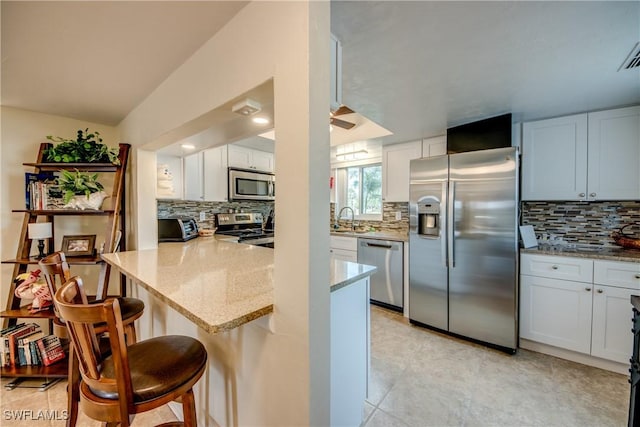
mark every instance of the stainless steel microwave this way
{"type": "Point", "coordinates": [251, 185]}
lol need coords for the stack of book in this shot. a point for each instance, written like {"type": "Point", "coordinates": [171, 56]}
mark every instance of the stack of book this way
{"type": "Point", "coordinates": [42, 191]}
{"type": "Point", "coordinates": [26, 344]}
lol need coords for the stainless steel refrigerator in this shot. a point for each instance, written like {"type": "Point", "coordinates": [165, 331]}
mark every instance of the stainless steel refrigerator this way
{"type": "Point", "coordinates": [463, 245]}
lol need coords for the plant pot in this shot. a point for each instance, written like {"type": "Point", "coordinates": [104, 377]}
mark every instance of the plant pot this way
{"type": "Point", "coordinates": [82, 202]}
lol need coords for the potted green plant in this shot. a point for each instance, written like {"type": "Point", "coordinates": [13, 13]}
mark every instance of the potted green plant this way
{"type": "Point", "coordinates": [86, 148]}
{"type": "Point", "coordinates": [81, 190]}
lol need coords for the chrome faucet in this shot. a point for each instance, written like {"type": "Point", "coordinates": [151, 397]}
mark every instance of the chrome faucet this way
{"type": "Point", "coordinates": [353, 227]}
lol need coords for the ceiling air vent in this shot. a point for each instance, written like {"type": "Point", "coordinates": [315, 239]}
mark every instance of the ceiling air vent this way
{"type": "Point", "coordinates": [633, 60]}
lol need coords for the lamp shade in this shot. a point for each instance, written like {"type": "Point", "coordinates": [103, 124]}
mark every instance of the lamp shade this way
{"type": "Point", "coordinates": [40, 230]}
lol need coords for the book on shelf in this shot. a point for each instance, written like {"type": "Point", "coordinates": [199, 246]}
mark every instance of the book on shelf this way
{"type": "Point", "coordinates": [11, 341]}
{"type": "Point", "coordinates": [4, 343]}
{"type": "Point", "coordinates": [42, 191]}
{"type": "Point", "coordinates": [51, 349]}
{"type": "Point", "coordinates": [24, 348]}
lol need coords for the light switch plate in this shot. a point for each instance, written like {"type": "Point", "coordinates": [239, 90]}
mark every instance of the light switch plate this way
{"type": "Point", "coordinates": [203, 216]}
{"type": "Point", "coordinates": [398, 216]}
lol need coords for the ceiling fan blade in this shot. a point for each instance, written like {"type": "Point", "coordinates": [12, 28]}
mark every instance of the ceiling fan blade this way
{"type": "Point", "coordinates": [342, 110]}
{"type": "Point", "coordinates": [341, 123]}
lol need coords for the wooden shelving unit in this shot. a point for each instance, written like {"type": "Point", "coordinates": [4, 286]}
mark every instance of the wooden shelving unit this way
{"type": "Point", "coordinates": [114, 222]}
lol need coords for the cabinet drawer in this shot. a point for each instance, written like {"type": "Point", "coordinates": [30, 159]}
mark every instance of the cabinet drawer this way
{"type": "Point", "coordinates": [347, 243]}
{"type": "Point", "coordinates": [617, 273]}
{"type": "Point", "coordinates": [556, 267]}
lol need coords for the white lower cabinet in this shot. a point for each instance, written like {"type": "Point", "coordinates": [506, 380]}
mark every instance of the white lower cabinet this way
{"type": "Point", "coordinates": [611, 336]}
{"type": "Point", "coordinates": [592, 316]}
{"type": "Point", "coordinates": [556, 312]}
{"type": "Point", "coordinates": [344, 248]}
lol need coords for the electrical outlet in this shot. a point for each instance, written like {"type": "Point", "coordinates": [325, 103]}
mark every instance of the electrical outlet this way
{"type": "Point", "coordinates": [398, 216]}
{"type": "Point", "coordinates": [203, 216]}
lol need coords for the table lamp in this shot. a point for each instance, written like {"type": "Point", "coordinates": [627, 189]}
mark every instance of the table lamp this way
{"type": "Point", "coordinates": [40, 231]}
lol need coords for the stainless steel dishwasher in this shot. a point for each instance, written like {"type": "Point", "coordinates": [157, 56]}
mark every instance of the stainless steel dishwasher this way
{"type": "Point", "coordinates": [386, 282]}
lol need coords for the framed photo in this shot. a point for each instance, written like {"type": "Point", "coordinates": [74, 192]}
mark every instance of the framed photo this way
{"type": "Point", "coordinates": [78, 245]}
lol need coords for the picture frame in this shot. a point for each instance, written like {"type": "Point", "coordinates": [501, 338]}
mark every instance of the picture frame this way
{"type": "Point", "coordinates": [78, 245]}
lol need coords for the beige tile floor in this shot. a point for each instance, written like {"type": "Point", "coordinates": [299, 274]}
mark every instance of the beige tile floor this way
{"type": "Point", "coordinates": [422, 378]}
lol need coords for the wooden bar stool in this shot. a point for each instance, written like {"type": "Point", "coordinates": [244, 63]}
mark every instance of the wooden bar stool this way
{"type": "Point", "coordinates": [132, 379]}
{"type": "Point", "coordinates": [56, 272]}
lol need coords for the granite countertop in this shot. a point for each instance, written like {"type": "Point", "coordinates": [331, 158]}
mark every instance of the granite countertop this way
{"type": "Point", "coordinates": [380, 235]}
{"type": "Point", "coordinates": [610, 254]}
{"type": "Point", "coordinates": [217, 285]}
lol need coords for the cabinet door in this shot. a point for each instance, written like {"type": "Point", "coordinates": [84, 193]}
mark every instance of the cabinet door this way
{"type": "Point", "coordinates": [554, 159]}
{"type": "Point", "coordinates": [344, 255]}
{"type": "Point", "coordinates": [239, 157]}
{"type": "Point", "coordinates": [614, 154]}
{"type": "Point", "coordinates": [215, 174]}
{"type": "Point", "coordinates": [612, 312]}
{"type": "Point", "coordinates": [193, 185]}
{"type": "Point", "coordinates": [556, 312]}
{"type": "Point", "coordinates": [395, 170]}
{"type": "Point", "coordinates": [435, 146]}
{"type": "Point", "coordinates": [262, 161]}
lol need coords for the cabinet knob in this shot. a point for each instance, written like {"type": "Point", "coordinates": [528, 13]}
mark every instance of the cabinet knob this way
{"type": "Point", "coordinates": [600, 291]}
{"type": "Point", "coordinates": [592, 195]}
{"type": "Point", "coordinates": [637, 276]}
{"type": "Point", "coordinates": [587, 289]}
{"type": "Point", "coordinates": [554, 267]}
{"type": "Point", "coordinates": [581, 195]}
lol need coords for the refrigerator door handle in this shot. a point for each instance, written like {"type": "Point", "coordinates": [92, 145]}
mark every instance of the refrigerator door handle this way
{"type": "Point", "coordinates": [443, 229]}
{"type": "Point", "coordinates": [452, 222]}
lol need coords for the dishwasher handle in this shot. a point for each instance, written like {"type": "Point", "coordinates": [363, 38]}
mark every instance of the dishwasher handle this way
{"type": "Point", "coordinates": [378, 245]}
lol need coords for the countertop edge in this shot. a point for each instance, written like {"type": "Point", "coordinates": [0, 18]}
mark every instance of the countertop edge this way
{"type": "Point", "coordinates": [606, 254]}
{"type": "Point", "coordinates": [368, 271]}
{"type": "Point", "coordinates": [377, 235]}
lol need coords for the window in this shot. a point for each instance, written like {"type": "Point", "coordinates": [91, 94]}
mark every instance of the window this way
{"type": "Point", "coordinates": [360, 188]}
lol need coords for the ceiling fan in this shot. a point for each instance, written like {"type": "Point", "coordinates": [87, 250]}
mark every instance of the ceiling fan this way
{"type": "Point", "coordinates": [339, 122]}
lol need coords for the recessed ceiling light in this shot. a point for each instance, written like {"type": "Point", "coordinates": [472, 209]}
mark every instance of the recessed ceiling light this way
{"type": "Point", "coordinates": [260, 120]}
{"type": "Point", "coordinates": [188, 146]}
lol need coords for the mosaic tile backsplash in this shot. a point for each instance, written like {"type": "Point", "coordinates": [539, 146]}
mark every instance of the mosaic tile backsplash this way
{"type": "Point", "coordinates": [581, 223]}
{"type": "Point", "coordinates": [168, 208]}
{"type": "Point", "coordinates": [388, 223]}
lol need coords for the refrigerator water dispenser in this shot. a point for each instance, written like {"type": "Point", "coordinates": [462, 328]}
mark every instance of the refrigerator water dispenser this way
{"type": "Point", "coordinates": [429, 218]}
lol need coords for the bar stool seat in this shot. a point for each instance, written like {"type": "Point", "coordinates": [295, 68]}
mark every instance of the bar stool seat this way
{"type": "Point", "coordinates": [56, 272]}
{"type": "Point", "coordinates": [132, 378]}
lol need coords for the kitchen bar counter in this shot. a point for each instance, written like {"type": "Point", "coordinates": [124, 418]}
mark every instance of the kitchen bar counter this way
{"type": "Point", "coordinates": [611, 254]}
{"type": "Point", "coordinates": [217, 285]}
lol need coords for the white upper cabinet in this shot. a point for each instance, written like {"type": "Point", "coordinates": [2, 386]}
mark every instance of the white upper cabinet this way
{"type": "Point", "coordinates": [592, 156]}
{"type": "Point", "coordinates": [554, 159]}
{"type": "Point", "coordinates": [215, 174]}
{"type": "Point", "coordinates": [614, 154]}
{"type": "Point", "coordinates": [395, 170]}
{"type": "Point", "coordinates": [193, 176]}
{"type": "Point", "coordinates": [435, 146]}
{"type": "Point", "coordinates": [247, 158]}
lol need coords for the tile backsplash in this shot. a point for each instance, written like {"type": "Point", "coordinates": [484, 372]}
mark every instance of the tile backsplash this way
{"type": "Point", "coordinates": [388, 223]}
{"type": "Point", "coordinates": [168, 208]}
{"type": "Point", "coordinates": [581, 223]}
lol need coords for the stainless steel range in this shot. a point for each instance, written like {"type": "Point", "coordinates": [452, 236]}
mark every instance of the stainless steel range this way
{"type": "Point", "coordinates": [246, 227]}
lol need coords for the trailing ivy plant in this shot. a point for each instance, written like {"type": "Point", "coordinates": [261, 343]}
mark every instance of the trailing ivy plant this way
{"type": "Point", "coordinates": [86, 148]}
{"type": "Point", "coordinates": [78, 183]}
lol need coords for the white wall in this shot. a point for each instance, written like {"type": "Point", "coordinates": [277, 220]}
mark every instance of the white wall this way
{"type": "Point", "coordinates": [22, 133]}
{"type": "Point", "coordinates": [286, 380]}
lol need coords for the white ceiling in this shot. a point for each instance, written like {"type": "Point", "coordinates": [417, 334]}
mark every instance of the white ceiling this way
{"type": "Point", "coordinates": [415, 68]}
{"type": "Point", "coordinates": [96, 61]}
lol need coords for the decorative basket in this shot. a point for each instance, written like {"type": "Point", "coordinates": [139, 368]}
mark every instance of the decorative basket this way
{"type": "Point", "coordinates": [625, 240]}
